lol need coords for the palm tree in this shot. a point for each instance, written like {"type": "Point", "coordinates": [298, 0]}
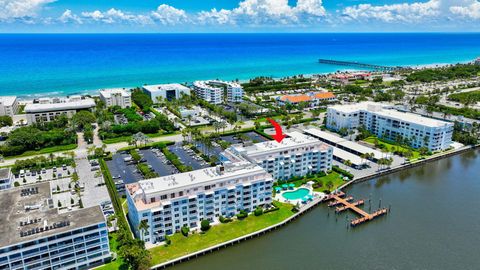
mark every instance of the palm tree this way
{"type": "Point", "coordinates": [217, 126]}
{"type": "Point", "coordinates": [142, 227]}
{"type": "Point", "coordinates": [208, 145]}
{"type": "Point", "coordinates": [364, 156]}
{"type": "Point", "coordinates": [91, 150]}
{"type": "Point", "coordinates": [347, 163]}
{"type": "Point", "coordinates": [185, 134]}
{"type": "Point", "coordinates": [222, 125]}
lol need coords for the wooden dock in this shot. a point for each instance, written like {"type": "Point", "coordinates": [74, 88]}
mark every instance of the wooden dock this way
{"type": "Point", "coordinates": [353, 206]}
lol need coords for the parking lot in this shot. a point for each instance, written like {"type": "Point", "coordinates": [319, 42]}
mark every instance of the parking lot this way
{"type": "Point", "coordinates": [188, 156]}
{"type": "Point", "coordinates": [213, 151]}
{"type": "Point", "coordinates": [250, 136]}
{"type": "Point", "coordinates": [158, 161]}
{"type": "Point", "coordinates": [127, 171]}
{"type": "Point", "coordinates": [119, 169]}
{"type": "Point", "coordinates": [33, 176]}
{"type": "Point", "coordinates": [91, 179]}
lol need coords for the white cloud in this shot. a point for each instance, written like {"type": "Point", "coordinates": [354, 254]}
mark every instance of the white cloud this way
{"type": "Point", "coordinates": [262, 12]}
{"type": "Point", "coordinates": [469, 11]}
{"type": "Point", "coordinates": [68, 16]}
{"type": "Point", "coordinates": [168, 15]}
{"type": "Point", "coordinates": [17, 9]}
{"type": "Point", "coordinates": [215, 16]}
{"type": "Point", "coordinates": [404, 12]}
{"type": "Point", "coordinates": [113, 15]}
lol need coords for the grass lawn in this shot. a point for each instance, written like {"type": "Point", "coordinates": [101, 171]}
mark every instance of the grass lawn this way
{"type": "Point", "coordinates": [391, 146]}
{"type": "Point", "coordinates": [47, 150]}
{"type": "Point", "coordinates": [182, 245]}
{"type": "Point", "coordinates": [117, 264]}
{"type": "Point", "coordinates": [124, 205]}
{"type": "Point", "coordinates": [277, 118]}
{"type": "Point", "coordinates": [117, 140]}
{"type": "Point", "coordinates": [156, 135]}
{"type": "Point", "coordinates": [334, 177]}
{"type": "Point", "coordinates": [127, 138]}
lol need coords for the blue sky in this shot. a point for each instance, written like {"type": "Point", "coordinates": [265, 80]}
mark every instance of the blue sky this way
{"type": "Point", "coordinates": [239, 15]}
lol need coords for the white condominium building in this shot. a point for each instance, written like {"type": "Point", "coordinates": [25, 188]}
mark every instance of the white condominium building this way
{"type": "Point", "coordinates": [8, 105]}
{"type": "Point", "coordinates": [213, 91]}
{"type": "Point", "coordinates": [171, 202]}
{"type": "Point", "coordinates": [6, 178]}
{"type": "Point", "coordinates": [169, 91]}
{"type": "Point", "coordinates": [36, 236]}
{"type": "Point", "coordinates": [297, 155]}
{"type": "Point", "coordinates": [48, 109]}
{"type": "Point", "coordinates": [391, 124]}
{"type": "Point", "coordinates": [116, 97]}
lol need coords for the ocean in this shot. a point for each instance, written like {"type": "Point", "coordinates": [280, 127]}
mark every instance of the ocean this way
{"type": "Point", "coordinates": [62, 64]}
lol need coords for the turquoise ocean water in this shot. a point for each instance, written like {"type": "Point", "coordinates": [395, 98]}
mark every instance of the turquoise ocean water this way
{"type": "Point", "coordinates": [61, 64]}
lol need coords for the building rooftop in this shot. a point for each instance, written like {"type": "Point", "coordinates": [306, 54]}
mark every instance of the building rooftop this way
{"type": "Point", "coordinates": [4, 173]}
{"type": "Point", "coordinates": [28, 214]}
{"type": "Point", "coordinates": [64, 105]}
{"type": "Point", "coordinates": [413, 118]}
{"type": "Point", "coordinates": [363, 149]}
{"type": "Point", "coordinates": [388, 111]}
{"type": "Point", "coordinates": [307, 97]}
{"type": "Point", "coordinates": [356, 107]}
{"type": "Point", "coordinates": [185, 180]}
{"type": "Point", "coordinates": [294, 140]}
{"type": "Point", "coordinates": [214, 84]}
{"type": "Point", "coordinates": [107, 93]}
{"type": "Point", "coordinates": [7, 100]}
{"type": "Point", "coordinates": [315, 132]}
{"type": "Point", "coordinates": [296, 98]}
{"type": "Point", "coordinates": [165, 87]}
{"type": "Point", "coordinates": [344, 155]}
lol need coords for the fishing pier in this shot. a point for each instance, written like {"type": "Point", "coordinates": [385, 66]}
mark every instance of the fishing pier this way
{"type": "Point", "coordinates": [358, 65]}
{"type": "Point", "coordinates": [345, 203]}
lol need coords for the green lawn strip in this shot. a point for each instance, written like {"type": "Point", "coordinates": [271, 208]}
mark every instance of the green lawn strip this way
{"type": "Point", "coordinates": [117, 139]}
{"type": "Point", "coordinates": [47, 150]}
{"type": "Point", "coordinates": [334, 177]}
{"type": "Point", "coordinates": [127, 138]}
{"type": "Point", "coordinates": [217, 234]}
{"type": "Point", "coordinates": [389, 146]}
{"type": "Point", "coordinates": [113, 265]}
{"type": "Point", "coordinates": [160, 134]}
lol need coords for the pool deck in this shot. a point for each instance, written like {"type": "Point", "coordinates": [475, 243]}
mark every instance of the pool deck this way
{"type": "Point", "coordinates": [316, 195]}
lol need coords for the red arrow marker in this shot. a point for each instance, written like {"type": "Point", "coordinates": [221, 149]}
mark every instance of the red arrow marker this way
{"type": "Point", "coordinates": [279, 136]}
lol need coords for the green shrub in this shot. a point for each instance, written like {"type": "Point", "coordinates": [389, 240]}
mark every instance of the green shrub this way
{"type": "Point", "coordinates": [224, 219]}
{"type": "Point", "coordinates": [135, 155]}
{"type": "Point", "coordinates": [205, 225]}
{"type": "Point", "coordinates": [168, 241]}
{"type": "Point", "coordinates": [342, 171]}
{"type": "Point", "coordinates": [258, 211]}
{"type": "Point", "coordinates": [185, 230]}
{"type": "Point", "coordinates": [243, 214]}
{"type": "Point", "coordinates": [273, 209]}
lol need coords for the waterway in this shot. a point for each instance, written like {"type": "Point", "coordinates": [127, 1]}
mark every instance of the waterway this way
{"type": "Point", "coordinates": [434, 224]}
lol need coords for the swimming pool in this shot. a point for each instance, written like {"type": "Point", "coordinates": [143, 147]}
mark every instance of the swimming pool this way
{"type": "Point", "coordinates": [297, 194]}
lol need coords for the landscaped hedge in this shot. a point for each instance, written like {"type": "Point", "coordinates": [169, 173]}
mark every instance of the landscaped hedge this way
{"type": "Point", "coordinates": [342, 171]}
{"type": "Point", "coordinates": [175, 160]}
{"type": "Point", "coordinates": [116, 202]}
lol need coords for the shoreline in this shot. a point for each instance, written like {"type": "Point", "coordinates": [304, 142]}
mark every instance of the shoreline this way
{"type": "Point", "coordinates": [308, 207]}
{"type": "Point", "coordinates": [95, 92]}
